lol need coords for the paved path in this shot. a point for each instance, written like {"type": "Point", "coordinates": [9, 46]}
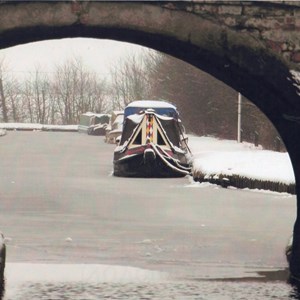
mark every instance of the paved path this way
{"type": "Point", "coordinates": [60, 204]}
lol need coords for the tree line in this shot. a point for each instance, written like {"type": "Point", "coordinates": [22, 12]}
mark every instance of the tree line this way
{"type": "Point", "coordinates": [206, 105]}
{"type": "Point", "coordinates": [57, 99]}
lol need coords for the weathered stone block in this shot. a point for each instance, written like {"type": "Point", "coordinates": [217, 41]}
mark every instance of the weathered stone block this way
{"type": "Point", "coordinates": [230, 21]}
{"type": "Point", "coordinates": [230, 10]}
{"type": "Point", "coordinates": [296, 13]}
{"type": "Point", "coordinates": [211, 9]}
{"type": "Point", "coordinates": [274, 46]}
{"type": "Point", "coordinates": [274, 35]}
{"type": "Point", "coordinates": [296, 57]}
{"type": "Point", "coordinates": [262, 23]}
{"type": "Point", "coordinates": [253, 10]}
{"type": "Point", "coordinates": [290, 20]}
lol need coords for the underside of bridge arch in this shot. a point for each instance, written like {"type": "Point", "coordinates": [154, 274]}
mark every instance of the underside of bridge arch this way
{"type": "Point", "coordinates": [237, 59]}
{"type": "Point", "coordinates": [262, 78]}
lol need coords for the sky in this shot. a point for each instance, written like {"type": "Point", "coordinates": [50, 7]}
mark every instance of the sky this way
{"type": "Point", "coordinates": [96, 54]}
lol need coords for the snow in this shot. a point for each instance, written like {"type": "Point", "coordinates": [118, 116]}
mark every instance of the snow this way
{"type": "Point", "coordinates": [31, 272]}
{"type": "Point", "coordinates": [91, 114]}
{"type": "Point", "coordinates": [151, 103]}
{"type": "Point", "coordinates": [213, 156]}
{"type": "Point", "coordinates": [37, 126]}
{"type": "Point", "coordinates": [136, 118]}
{"type": "Point", "coordinates": [98, 126]}
{"type": "Point", "coordinates": [119, 130]}
{"type": "Point", "coordinates": [165, 118]}
{"type": "Point", "coordinates": [296, 77]}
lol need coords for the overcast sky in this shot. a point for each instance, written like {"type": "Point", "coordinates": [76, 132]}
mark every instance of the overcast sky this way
{"type": "Point", "coordinates": [96, 54]}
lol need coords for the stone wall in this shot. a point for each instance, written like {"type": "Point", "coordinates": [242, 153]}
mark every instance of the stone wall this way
{"type": "Point", "coordinates": [276, 23]}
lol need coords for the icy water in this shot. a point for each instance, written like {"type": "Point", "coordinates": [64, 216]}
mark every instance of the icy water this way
{"type": "Point", "coordinates": [168, 290]}
{"type": "Point", "coordinates": [63, 215]}
{"type": "Point", "coordinates": [91, 282]}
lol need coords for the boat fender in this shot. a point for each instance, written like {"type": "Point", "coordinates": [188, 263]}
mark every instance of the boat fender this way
{"type": "Point", "coordinates": [149, 155]}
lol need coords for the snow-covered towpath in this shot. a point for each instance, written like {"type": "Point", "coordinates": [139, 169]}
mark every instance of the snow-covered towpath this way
{"type": "Point", "coordinates": [213, 156]}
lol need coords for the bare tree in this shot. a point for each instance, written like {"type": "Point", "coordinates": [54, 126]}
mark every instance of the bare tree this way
{"type": "Point", "coordinates": [63, 86]}
{"type": "Point", "coordinates": [97, 94]}
{"type": "Point", "coordinates": [129, 80]}
{"type": "Point", "coordinates": [77, 90]}
{"type": "Point", "coordinates": [207, 106]}
{"type": "Point", "coordinates": [2, 92]}
{"type": "Point", "coordinates": [60, 99]}
{"type": "Point", "coordinates": [15, 103]}
{"type": "Point", "coordinates": [35, 91]}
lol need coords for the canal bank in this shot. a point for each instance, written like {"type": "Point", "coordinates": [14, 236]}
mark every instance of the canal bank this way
{"type": "Point", "coordinates": [241, 165]}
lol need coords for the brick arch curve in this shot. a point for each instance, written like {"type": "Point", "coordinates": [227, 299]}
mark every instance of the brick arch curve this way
{"type": "Point", "coordinates": [237, 57]}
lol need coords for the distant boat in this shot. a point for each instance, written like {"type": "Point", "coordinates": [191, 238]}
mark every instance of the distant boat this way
{"type": "Point", "coordinates": [153, 142]}
{"type": "Point", "coordinates": [93, 124]}
{"type": "Point", "coordinates": [114, 129]}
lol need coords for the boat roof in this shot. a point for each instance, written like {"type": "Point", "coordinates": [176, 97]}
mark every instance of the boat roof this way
{"type": "Point", "coordinates": [151, 104]}
{"type": "Point", "coordinates": [91, 114]}
{"type": "Point", "coordinates": [160, 107]}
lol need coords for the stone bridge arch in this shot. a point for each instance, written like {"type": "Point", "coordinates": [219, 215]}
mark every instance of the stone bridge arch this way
{"type": "Point", "coordinates": [252, 46]}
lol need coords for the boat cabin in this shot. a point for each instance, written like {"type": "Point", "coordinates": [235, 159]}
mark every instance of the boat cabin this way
{"type": "Point", "coordinates": [92, 123]}
{"type": "Point", "coordinates": [162, 108]}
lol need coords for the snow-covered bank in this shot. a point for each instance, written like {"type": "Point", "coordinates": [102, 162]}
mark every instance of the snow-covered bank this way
{"type": "Point", "coordinates": [63, 281]}
{"type": "Point", "coordinates": [37, 126]}
{"type": "Point", "coordinates": [26, 272]}
{"type": "Point", "coordinates": [223, 158]}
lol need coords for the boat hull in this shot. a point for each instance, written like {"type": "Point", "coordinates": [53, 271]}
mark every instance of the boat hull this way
{"type": "Point", "coordinates": [145, 165]}
{"type": "Point", "coordinates": [152, 145]}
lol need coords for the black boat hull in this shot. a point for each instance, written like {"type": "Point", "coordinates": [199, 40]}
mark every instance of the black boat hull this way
{"type": "Point", "coordinates": [152, 145]}
{"type": "Point", "coordinates": [139, 166]}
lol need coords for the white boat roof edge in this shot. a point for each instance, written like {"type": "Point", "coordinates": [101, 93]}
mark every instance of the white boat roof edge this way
{"type": "Point", "coordinates": [151, 103]}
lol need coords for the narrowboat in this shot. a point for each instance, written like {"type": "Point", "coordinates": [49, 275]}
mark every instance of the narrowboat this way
{"type": "Point", "coordinates": [114, 129]}
{"type": "Point", "coordinates": [153, 142]}
{"type": "Point", "coordinates": [93, 124]}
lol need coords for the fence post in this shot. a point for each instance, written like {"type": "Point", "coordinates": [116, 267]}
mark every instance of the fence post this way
{"type": "Point", "coordinates": [239, 130]}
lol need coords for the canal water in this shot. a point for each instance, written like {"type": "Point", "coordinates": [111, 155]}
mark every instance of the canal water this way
{"type": "Point", "coordinates": [91, 282]}
{"type": "Point", "coordinates": [212, 290]}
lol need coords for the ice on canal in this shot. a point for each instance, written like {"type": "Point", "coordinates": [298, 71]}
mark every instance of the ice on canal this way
{"type": "Point", "coordinates": [90, 281]}
{"type": "Point", "coordinates": [68, 281]}
{"type": "Point", "coordinates": [191, 244]}
{"type": "Point", "coordinates": [215, 156]}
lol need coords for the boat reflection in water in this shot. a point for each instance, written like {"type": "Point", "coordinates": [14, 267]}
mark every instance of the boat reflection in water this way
{"type": "Point", "coordinates": [153, 142]}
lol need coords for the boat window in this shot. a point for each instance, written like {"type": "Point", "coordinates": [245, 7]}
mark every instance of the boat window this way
{"type": "Point", "coordinates": [138, 139]}
{"type": "Point", "coordinates": [160, 140]}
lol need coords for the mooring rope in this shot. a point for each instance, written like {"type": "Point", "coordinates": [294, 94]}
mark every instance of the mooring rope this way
{"type": "Point", "coordinates": [177, 169]}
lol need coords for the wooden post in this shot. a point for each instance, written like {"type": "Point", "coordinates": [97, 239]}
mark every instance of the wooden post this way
{"type": "Point", "coordinates": [239, 118]}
